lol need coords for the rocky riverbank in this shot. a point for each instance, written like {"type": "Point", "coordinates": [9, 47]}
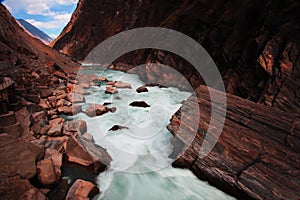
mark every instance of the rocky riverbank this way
{"type": "Point", "coordinates": [36, 142]}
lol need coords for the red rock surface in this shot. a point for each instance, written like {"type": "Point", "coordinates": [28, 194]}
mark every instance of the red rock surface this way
{"type": "Point", "coordinates": [82, 190]}
{"type": "Point", "coordinates": [257, 155]}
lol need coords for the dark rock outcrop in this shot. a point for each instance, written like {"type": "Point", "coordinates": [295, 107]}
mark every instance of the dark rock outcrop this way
{"type": "Point", "coordinates": [257, 155]}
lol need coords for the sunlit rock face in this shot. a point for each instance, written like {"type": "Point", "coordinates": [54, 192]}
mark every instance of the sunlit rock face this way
{"type": "Point", "coordinates": [255, 44]}
{"type": "Point", "coordinates": [19, 49]}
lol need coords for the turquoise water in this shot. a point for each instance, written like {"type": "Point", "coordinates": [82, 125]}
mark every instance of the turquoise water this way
{"type": "Point", "coordinates": [141, 168]}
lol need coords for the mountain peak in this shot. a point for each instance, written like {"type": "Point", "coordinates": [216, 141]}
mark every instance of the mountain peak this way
{"type": "Point", "coordinates": [35, 32]}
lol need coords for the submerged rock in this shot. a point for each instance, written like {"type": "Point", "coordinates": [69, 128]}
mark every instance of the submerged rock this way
{"type": "Point", "coordinates": [82, 190]}
{"type": "Point", "coordinates": [117, 127]}
{"type": "Point", "coordinates": [155, 85]}
{"type": "Point", "coordinates": [142, 89]}
{"type": "Point", "coordinates": [139, 104]}
{"type": "Point", "coordinates": [111, 90]}
{"type": "Point", "coordinates": [112, 109]}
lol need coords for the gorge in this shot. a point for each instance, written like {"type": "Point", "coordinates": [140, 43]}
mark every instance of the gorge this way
{"type": "Point", "coordinates": [131, 128]}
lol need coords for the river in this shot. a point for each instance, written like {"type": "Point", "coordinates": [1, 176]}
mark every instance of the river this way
{"type": "Point", "coordinates": [140, 168]}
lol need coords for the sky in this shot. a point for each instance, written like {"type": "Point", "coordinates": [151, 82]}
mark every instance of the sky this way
{"type": "Point", "coordinates": [50, 16]}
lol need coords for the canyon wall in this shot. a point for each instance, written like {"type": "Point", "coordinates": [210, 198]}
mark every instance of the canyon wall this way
{"type": "Point", "coordinates": [255, 44]}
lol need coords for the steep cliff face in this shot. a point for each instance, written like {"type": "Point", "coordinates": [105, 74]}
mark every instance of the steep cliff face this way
{"type": "Point", "coordinates": [17, 48]}
{"type": "Point", "coordinates": [255, 43]}
{"type": "Point", "coordinates": [94, 21]}
{"type": "Point", "coordinates": [257, 154]}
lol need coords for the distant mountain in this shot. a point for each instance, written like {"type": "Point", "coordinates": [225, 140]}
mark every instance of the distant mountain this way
{"type": "Point", "coordinates": [35, 32]}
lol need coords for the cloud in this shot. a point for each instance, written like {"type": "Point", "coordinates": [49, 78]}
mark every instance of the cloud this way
{"type": "Point", "coordinates": [37, 7]}
{"type": "Point", "coordinates": [51, 16]}
{"type": "Point", "coordinates": [58, 21]}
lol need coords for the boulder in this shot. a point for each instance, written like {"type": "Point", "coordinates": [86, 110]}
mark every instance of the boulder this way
{"type": "Point", "coordinates": [18, 157]}
{"type": "Point", "coordinates": [49, 171]}
{"type": "Point", "coordinates": [46, 172]}
{"type": "Point", "coordinates": [112, 109]}
{"type": "Point", "coordinates": [63, 102]}
{"type": "Point", "coordinates": [111, 90]}
{"type": "Point", "coordinates": [80, 89]}
{"type": "Point", "coordinates": [56, 126]}
{"type": "Point", "coordinates": [96, 110]}
{"type": "Point", "coordinates": [59, 92]}
{"type": "Point", "coordinates": [44, 104]}
{"type": "Point", "coordinates": [81, 151]}
{"type": "Point", "coordinates": [139, 104]}
{"type": "Point", "coordinates": [119, 84]}
{"type": "Point", "coordinates": [31, 98]}
{"type": "Point", "coordinates": [88, 137]}
{"type": "Point", "coordinates": [76, 98]}
{"type": "Point", "coordinates": [82, 190]}
{"type": "Point", "coordinates": [55, 130]}
{"type": "Point", "coordinates": [45, 93]}
{"type": "Point", "coordinates": [61, 75]}
{"type": "Point", "coordinates": [39, 120]}
{"type": "Point", "coordinates": [142, 89]}
{"type": "Point", "coordinates": [75, 126]}
{"type": "Point", "coordinates": [70, 110]}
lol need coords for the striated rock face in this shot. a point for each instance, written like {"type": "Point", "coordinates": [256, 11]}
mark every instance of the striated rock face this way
{"type": "Point", "coordinates": [255, 44]}
{"type": "Point", "coordinates": [257, 155]}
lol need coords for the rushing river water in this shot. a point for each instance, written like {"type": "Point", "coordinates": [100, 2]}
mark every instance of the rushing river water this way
{"type": "Point", "coordinates": [141, 168]}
